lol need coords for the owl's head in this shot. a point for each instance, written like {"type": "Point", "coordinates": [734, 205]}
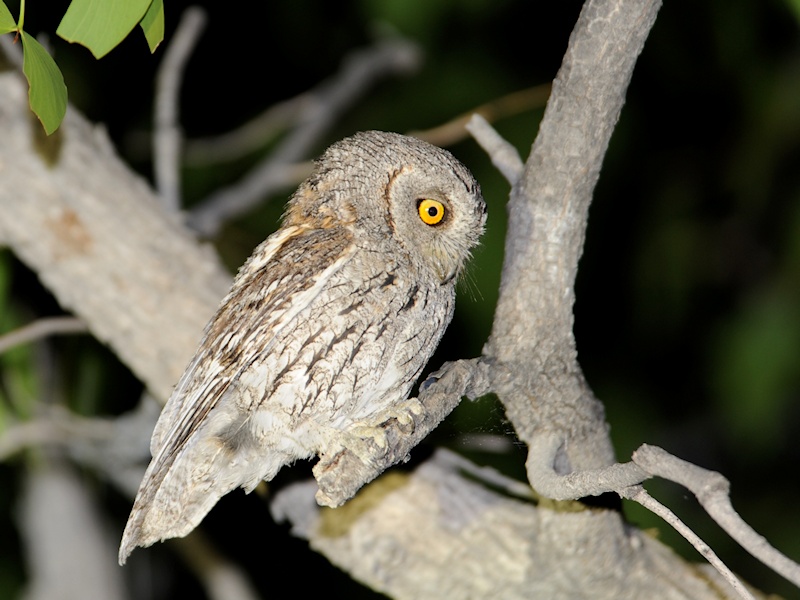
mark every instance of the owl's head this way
{"type": "Point", "coordinates": [395, 190]}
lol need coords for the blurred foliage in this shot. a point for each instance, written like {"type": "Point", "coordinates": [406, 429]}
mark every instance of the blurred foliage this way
{"type": "Point", "coordinates": [688, 309]}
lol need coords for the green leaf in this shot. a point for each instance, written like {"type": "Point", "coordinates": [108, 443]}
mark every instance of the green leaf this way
{"type": "Point", "coordinates": [47, 93]}
{"type": "Point", "coordinates": [101, 24]}
{"type": "Point", "coordinates": [153, 24]}
{"type": "Point", "coordinates": [7, 22]}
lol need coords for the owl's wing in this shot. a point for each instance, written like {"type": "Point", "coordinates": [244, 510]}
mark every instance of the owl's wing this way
{"type": "Point", "coordinates": [185, 477]}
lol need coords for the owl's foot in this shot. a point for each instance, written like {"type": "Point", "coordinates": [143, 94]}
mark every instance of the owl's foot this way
{"type": "Point", "coordinates": [359, 453]}
{"type": "Point", "coordinates": [368, 439]}
{"type": "Point", "coordinates": [403, 412]}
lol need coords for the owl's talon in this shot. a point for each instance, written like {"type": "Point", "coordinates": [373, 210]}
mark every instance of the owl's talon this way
{"type": "Point", "coordinates": [403, 413]}
{"type": "Point", "coordinates": [367, 442]}
{"type": "Point", "coordinates": [363, 438]}
{"type": "Point", "coordinates": [376, 435]}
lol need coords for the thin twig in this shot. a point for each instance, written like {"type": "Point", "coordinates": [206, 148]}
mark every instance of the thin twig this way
{"type": "Point", "coordinates": [502, 154]}
{"type": "Point", "coordinates": [713, 492]}
{"type": "Point", "coordinates": [248, 137]}
{"type": "Point", "coordinates": [167, 137]}
{"type": "Point", "coordinates": [639, 494]}
{"type": "Point", "coordinates": [57, 426]}
{"type": "Point", "coordinates": [331, 99]}
{"type": "Point", "coordinates": [509, 105]}
{"type": "Point", "coordinates": [42, 328]}
{"type": "Point", "coordinates": [254, 134]}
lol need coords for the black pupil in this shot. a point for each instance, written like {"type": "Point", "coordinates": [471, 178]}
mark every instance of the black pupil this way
{"type": "Point", "coordinates": [432, 211]}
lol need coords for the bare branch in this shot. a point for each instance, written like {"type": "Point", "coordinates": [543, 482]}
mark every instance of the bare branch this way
{"type": "Point", "coordinates": [499, 108]}
{"type": "Point", "coordinates": [104, 245]}
{"type": "Point", "coordinates": [116, 447]}
{"type": "Point", "coordinates": [59, 427]}
{"type": "Point", "coordinates": [167, 136]}
{"type": "Point", "coordinates": [713, 492]}
{"type": "Point", "coordinates": [490, 476]}
{"type": "Point", "coordinates": [639, 494]}
{"type": "Point", "coordinates": [543, 454]}
{"type": "Point", "coordinates": [504, 156]}
{"type": "Point", "coordinates": [403, 533]}
{"type": "Point", "coordinates": [250, 136]}
{"type": "Point", "coordinates": [41, 328]}
{"type": "Point", "coordinates": [536, 374]}
{"type": "Point", "coordinates": [358, 73]}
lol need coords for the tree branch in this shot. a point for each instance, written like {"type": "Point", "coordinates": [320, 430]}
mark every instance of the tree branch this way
{"type": "Point", "coordinates": [713, 492]}
{"type": "Point", "coordinates": [458, 128]}
{"type": "Point", "coordinates": [504, 156]}
{"type": "Point", "coordinates": [103, 244]}
{"type": "Point", "coordinates": [167, 137]}
{"type": "Point", "coordinates": [404, 533]}
{"type": "Point", "coordinates": [57, 426]}
{"type": "Point", "coordinates": [249, 136]}
{"type": "Point", "coordinates": [331, 99]}
{"type": "Point", "coordinates": [41, 328]}
{"type": "Point", "coordinates": [537, 375]}
{"type": "Point", "coordinates": [639, 494]}
{"type": "Point", "coordinates": [69, 549]}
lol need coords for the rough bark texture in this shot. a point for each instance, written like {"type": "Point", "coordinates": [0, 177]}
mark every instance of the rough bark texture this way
{"type": "Point", "coordinates": [103, 245]}
{"type": "Point", "coordinates": [436, 534]}
{"type": "Point", "coordinates": [101, 242]}
{"type": "Point", "coordinates": [539, 379]}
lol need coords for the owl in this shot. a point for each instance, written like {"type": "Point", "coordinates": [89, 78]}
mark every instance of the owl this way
{"type": "Point", "coordinates": [328, 324]}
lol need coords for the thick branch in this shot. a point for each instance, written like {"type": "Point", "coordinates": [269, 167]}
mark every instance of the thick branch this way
{"type": "Point", "coordinates": [102, 242]}
{"type": "Point", "coordinates": [435, 533]}
{"type": "Point", "coordinates": [540, 382]}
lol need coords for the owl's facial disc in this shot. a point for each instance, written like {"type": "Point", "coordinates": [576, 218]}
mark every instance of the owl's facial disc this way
{"type": "Point", "coordinates": [437, 215]}
{"type": "Point", "coordinates": [439, 228]}
{"type": "Point", "coordinates": [445, 259]}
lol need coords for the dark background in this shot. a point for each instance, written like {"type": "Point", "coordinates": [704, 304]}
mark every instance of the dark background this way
{"type": "Point", "coordinates": [688, 295]}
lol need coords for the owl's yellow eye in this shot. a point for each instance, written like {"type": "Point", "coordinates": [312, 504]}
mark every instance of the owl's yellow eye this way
{"type": "Point", "coordinates": [431, 211]}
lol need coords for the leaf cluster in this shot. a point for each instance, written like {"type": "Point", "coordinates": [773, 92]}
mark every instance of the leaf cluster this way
{"type": "Point", "coordinates": [99, 25]}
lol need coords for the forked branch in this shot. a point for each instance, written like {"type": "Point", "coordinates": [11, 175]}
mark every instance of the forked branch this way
{"type": "Point", "coordinates": [713, 492]}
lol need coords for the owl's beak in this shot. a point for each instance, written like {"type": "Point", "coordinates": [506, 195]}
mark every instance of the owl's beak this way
{"type": "Point", "coordinates": [446, 268]}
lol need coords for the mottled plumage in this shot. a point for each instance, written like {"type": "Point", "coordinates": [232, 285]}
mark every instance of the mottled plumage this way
{"type": "Point", "coordinates": [328, 323]}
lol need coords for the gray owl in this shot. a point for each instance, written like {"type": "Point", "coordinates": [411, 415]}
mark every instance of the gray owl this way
{"type": "Point", "coordinates": [327, 324]}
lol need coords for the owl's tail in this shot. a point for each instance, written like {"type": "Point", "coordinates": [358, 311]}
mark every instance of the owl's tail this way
{"type": "Point", "coordinates": [181, 486]}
